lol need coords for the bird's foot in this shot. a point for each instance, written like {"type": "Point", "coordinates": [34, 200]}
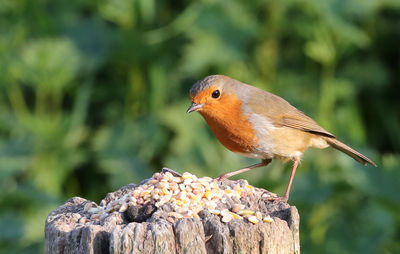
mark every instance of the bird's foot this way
{"type": "Point", "coordinates": [276, 200]}
{"type": "Point", "coordinates": [222, 177]}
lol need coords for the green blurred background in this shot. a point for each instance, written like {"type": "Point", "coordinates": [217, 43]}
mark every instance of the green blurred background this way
{"type": "Point", "coordinates": [93, 96]}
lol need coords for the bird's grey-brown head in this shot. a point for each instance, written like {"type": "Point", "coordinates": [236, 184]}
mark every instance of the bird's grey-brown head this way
{"type": "Point", "coordinates": [209, 90]}
{"type": "Point", "coordinates": [205, 83]}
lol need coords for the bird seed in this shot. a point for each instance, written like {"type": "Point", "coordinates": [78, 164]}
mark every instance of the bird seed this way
{"type": "Point", "coordinates": [187, 195]}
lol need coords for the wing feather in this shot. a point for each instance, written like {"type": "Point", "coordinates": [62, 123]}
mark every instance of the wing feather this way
{"type": "Point", "coordinates": [282, 113]}
{"type": "Point", "coordinates": [304, 123]}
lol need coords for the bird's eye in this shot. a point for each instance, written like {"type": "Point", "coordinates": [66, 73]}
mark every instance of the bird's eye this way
{"type": "Point", "coordinates": [215, 94]}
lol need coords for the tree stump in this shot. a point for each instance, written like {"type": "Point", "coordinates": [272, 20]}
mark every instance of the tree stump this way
{"type": "Point", "coordinates": [240, 221]}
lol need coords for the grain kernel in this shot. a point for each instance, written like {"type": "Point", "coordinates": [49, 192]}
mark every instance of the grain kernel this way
{"type": "Point", "coordinates": [197, 191]}
{"type": "Point", "coordinates": [188, 181]}
{"type": "Point", "coordinates": [208, 195]}
{"type": "Point", "coordinates": [123, 208]}
{"type": "Point", "coordinates": [165, 191]}
{"type": "Point", "coordinates": [87, 206]}
{"type": "Point", "coordinates": [194, 197]}
{"type": "Point", "coordinates": [95, 216]}
{"type": "Point", "coordinates": [152, 181]}
{"type": "Point", "coordinates": [245, 212]}
{"type": "Point", "coordinates": [168, 175]}
{"type": "Point", "coordinates": [227, 218]}
{"type": "Point", "coordinates": [253, 219]}
{"type": "Point", "coordinates": [179, 203]}
{"type": "Point", "coordinates": [176, 215]}
{"type": "Point", "coordinates": [236, 208]}
{"type": "Point", "coordinates": [186, 175]}
{"type": "Point", "coordinates": [268, 219]}
{"type": "Point", "coordinates": [136, 193]}
{"type": "Point", "coordinates": [215, 211]}
{"type": "Point", "coordinates": [236, 216]}
{"type": "Point", "coordinates": [210, 205]}
{"type": "Point", "coordinates": [94, 210]}
{"type": "Point", "coordinates": [195, 185]}
{"type": "Point", "coordinates": [204, 182]}
{"type": "Point", "coordinates": [224, 212]}
{"type": "Point", "coordinates": [162, 185]}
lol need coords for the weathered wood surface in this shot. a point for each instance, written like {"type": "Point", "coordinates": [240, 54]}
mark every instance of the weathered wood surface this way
{"type": "Point", "coordinates": [67, 231]}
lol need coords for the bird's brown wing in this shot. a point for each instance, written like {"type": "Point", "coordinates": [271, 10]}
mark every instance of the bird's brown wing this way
{"type": "Point", "coordinates": [302, 122]}
{"type": "Point", "coordinates": [281, 113]}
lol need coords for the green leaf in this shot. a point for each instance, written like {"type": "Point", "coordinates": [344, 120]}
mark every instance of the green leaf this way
{"type": "Point", "coordinates": [49, 63]}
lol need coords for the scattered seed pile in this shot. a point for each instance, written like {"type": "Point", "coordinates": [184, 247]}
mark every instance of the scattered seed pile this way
{"type": "Point", "coordinates": [187, 195]}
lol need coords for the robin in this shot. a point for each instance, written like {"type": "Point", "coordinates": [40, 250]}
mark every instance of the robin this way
{"type": "Point", "coordinates": [258, 124]}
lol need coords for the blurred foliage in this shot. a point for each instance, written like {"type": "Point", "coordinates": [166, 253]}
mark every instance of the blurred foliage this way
{"type": "Point", "coordinates": [93, 96]}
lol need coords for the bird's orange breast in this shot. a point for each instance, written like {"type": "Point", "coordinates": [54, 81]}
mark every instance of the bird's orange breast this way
{"type": "Point", "coordinates": [229, 125]}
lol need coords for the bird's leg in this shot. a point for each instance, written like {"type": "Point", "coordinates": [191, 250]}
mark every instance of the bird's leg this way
{"type": "Point", "coordinates": [287, 192]}
{"type": "Point", "coordinates": [264, 162]}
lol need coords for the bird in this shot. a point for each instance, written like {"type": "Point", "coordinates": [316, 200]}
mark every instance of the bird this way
{"type": "Point", "coordinates": [258, 124]}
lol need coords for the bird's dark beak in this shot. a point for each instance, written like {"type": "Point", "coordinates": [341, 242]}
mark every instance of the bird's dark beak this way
{"type": "Point", "coordinates": [194, 107]}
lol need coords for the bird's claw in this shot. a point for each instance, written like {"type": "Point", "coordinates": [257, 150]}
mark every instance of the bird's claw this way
{"type": "Point", "coordinates": [276, 200]}
{"type": "Point", "coordinates": [221, 178]}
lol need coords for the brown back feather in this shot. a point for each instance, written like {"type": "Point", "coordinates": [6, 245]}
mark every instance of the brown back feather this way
{"type": "Point", "coordinates": [281, 113]}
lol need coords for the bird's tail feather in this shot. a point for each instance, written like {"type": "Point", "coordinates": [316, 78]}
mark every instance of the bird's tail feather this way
{"type": "Point", "coordinates": [349, 151]}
